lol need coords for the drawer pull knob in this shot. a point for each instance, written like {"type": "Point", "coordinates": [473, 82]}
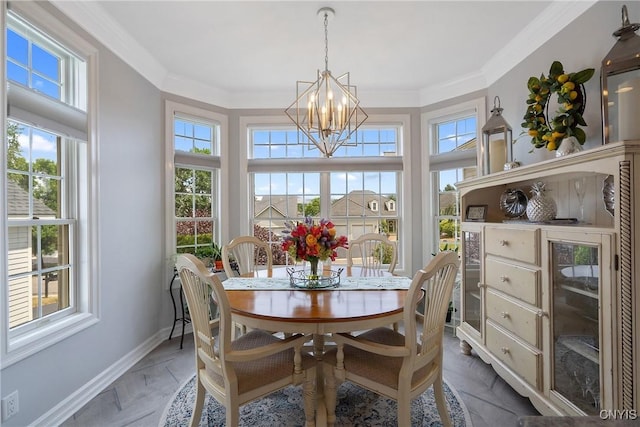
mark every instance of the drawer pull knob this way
{"type": "Point", "coordinates": [541, 313]}
{"type": "Point", "coordinates": [504, 314]}
{"type": "Point", "coordinates": [504, 350]}
{"type": "Point", "coordinates": [480, 285]}
{"type": "Point", "coordinates": [504, 278]}
{"type": "Point", "coordinates": [503, 243]}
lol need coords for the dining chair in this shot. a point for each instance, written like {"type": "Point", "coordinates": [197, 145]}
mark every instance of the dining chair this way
{"type": "Point", "coordinates": [250, 254]}
{"type": "Point", "coordinates": [400, 366]}
{"type": "Point", "coordinates": [373, 250]}
{"type": "Point", "coordinates": [238, 371]}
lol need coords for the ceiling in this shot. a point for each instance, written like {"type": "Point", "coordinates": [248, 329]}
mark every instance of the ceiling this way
{"type": "Point", "coordinates": [249, 54]}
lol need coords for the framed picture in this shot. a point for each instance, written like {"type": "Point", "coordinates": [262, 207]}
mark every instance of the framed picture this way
{"type": "Point", "coordinates": [476, 212]}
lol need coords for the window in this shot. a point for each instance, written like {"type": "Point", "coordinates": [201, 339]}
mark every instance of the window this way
{"type": "Point", "coordinates": [452, 149]}
{"type": "Point", "coordinates": [49, 290]}
{"type": "Point", "coordinates": [194, 138]}
{"type": "Point", "coordinates": [194, 188]}
{"type": "Point", "coordinates": [358, 188]}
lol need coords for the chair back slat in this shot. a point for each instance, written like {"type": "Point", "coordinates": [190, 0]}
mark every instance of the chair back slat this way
{"type": "Point", "coordinates": [429, 297]}
{"type": "Point", "coordinates": [371, 250]}
{"type": "Point", "coordinates": [200, 286]}
{"type": "Point", "coordinates": [250, 254]}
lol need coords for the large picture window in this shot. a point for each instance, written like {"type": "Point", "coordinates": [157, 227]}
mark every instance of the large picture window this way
{"type": "Point", "coordinates": [358, 188]}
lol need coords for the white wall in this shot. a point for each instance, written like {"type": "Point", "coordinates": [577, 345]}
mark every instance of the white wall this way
{"type": "Point", "coordinates": [135, 304]}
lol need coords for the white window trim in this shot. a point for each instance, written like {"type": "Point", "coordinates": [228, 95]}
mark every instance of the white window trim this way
{"type": "Point", "coordinates": [172, 109]}
{"type": "Point", "coordinates": [428, 121]}
{"type": "Point", "coordinates": [334, 164]}
{"type": "Point", "coordinates": [49, 332]}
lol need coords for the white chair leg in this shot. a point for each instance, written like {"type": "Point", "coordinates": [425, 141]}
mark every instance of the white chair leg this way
{"type": "Point", "coordinates": [404, 411]}
{"type": "Point", "coordinates": [199, 403]}
{"type": "Point", "coordinates": [441, 402]}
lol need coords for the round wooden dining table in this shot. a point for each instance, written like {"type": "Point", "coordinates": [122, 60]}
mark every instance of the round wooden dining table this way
{"type": "Point", "coordinates": [318, 312]}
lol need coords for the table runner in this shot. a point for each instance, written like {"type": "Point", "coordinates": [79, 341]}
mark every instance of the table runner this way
{"type": "Point", "coordinates": [346, 283]}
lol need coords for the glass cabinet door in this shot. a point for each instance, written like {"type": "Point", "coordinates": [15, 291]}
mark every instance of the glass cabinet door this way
{"type": "Point", "coordinates": [471, 306]}
{"type": "Point", "coordinates": [575, 324]}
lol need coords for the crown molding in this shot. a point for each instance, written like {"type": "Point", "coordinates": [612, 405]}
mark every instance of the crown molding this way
{"type": "Point", "coordinates": [91, 17]}
{"type": "Point", "coordinates": [553, 19]}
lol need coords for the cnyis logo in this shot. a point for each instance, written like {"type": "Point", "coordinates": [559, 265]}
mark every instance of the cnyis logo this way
{"type": "Point", "coordinates": [619, 414]}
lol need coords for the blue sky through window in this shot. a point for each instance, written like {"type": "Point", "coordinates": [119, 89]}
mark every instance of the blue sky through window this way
{"type": "Point", "coordinates": [32, 65]}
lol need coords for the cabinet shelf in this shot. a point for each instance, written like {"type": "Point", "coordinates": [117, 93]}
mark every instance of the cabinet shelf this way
{"type": "Point", "coordinates": [584, 292]}
{"type": "Point", "coordinates": [582, 347]}
{"type": "Point", "coordinates": [474, 294]}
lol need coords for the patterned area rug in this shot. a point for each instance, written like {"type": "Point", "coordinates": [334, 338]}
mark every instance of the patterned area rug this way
{"type": "Point", "coordinates": [356, 407]}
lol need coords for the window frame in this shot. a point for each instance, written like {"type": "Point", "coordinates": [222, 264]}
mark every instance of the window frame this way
{"type": "Point", "coordinates": [435, 162]}
{"type": "Point", "coordinates": [217, 163]}
{"type": "Point", "coordinates": [401, 162]}
{"type": "Point", "coordinates": [84, 250]}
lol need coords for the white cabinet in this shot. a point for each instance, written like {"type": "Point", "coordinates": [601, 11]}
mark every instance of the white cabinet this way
{"type": "Point", "coordinates": [554, 306]}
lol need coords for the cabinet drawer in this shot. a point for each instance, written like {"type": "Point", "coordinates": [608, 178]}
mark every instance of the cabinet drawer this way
{"type": "Point", "coordinates": [521, 321]}
{"type": "Point", "coordinates": [512, 243]}
{"type": "Point", "coordinates": [520, 282]}
{"type": "Point", "coordinates": [524, 360]}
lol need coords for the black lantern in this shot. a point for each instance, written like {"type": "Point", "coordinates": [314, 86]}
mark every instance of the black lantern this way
{"type": "Point", "coordinates": [620, 83]}
{"type": "Point", "coordinates": [497, 142]}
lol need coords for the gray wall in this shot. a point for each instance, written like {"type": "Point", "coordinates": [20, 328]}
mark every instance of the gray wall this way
{"type": "Point", "coordinates": [583, 44]}
{"type": "Point", "coordinates": [134, 302]}
{"type": "Point", "coordinates": [130, 244]}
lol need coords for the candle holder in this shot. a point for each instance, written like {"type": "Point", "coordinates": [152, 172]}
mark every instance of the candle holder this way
{"type": "Point", "coordinates": [620, 81]}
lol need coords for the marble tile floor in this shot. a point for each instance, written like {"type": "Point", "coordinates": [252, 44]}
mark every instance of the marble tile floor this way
{"type": "Point", "coordinates": [138, 398]}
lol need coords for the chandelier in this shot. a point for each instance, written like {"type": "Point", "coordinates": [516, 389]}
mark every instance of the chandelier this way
{"type": "Point", "coordinates": [327, 111]}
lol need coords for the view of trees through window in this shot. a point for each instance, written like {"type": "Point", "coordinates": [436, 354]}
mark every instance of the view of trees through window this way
{"type": "Point", "coordinates": [38, 236]}
{"type": "Point", "coordinates": [194, 187]}
{"type": "Point", "coordinates": [46, 136]}
{"type": "Point", "coordinates": [452, 135]}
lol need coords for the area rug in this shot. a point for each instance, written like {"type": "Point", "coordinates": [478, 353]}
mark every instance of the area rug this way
{"type": "Point", "coordinates": [284, 408]}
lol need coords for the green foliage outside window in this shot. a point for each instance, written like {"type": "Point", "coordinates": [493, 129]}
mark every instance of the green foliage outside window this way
{"type": "Point", "coordinates": [383, 253]}
{"type": "Point", "coordinates": [311, 209]}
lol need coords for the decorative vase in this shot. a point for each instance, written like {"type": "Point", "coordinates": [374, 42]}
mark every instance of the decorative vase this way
{"type": "Point", "coordinates": [540, 207]}
{"type": "Point", "coordinates": [568, 145]}
{"type": "Point", "coordinates": [313, 266]}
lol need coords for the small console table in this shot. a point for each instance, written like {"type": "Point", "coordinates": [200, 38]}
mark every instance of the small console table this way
{"type": "Point", "coordinates": [184, 317]}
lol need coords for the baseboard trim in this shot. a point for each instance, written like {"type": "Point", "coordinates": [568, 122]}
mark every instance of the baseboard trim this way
{"type": "Point", "coordinates": [75, 401]}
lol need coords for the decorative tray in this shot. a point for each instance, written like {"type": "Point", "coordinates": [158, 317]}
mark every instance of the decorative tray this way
{"type": "Point", "coordinates": [303, 280]}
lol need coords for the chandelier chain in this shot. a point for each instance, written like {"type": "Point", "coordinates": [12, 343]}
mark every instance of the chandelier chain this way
{"type": "Point", "coordinates": [326, 41]}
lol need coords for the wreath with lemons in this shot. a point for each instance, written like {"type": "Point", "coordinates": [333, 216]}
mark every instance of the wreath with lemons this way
{"type": "Point", "coordinates": [569, 87]}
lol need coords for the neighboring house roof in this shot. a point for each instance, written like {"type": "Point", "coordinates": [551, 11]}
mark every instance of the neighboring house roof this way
{"type": "Point", "coordinates": [284, 206]}
{"type": "Point", "coordinates": [18, 202]}
{"type": "Point", "coordinates": [467, 145]}
{"type": "Point", "coordinates": [447, 199]}
{"type": "Point", "coordinates": [359, 203]}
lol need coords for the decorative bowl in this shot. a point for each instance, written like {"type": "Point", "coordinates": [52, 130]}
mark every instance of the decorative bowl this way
{"type": "Point", "coordinates": [303, 280]}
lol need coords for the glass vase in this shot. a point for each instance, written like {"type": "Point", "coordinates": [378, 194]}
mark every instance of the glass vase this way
{"type": "Point", "coordinates": [313, 267]}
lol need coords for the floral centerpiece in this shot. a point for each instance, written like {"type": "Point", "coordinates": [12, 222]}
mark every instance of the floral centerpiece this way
{"type": "Point", "coordinates": [569, 88]}
{"type": "Point", "coordinates": [312, 242]}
